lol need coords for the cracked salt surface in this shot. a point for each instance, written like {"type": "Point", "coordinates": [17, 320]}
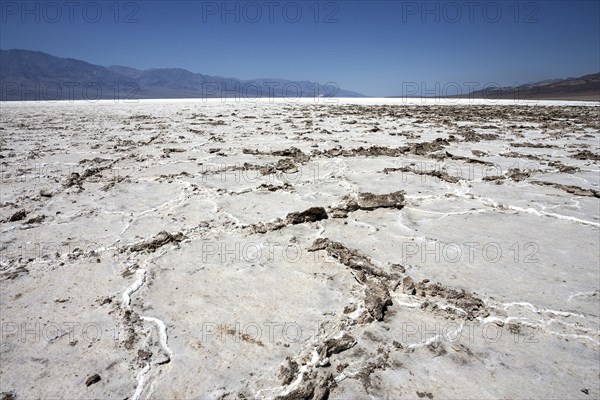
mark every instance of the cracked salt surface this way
{"type": "Point", "coordinates": [152, 247]}
{"type": "Point", "coordinates": [160, 325]}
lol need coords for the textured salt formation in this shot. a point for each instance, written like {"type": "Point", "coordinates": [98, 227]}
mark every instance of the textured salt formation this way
{"type": "Point", "coordinates": [364, 249]}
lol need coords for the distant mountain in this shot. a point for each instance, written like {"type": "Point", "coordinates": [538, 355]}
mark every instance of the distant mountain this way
{"type": "Point", "coordinates": [33, 75]}
{"type": "Point", "coordinates": [585, 88]}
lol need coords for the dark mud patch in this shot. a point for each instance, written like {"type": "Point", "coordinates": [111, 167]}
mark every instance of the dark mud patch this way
{"type": "Point", "coordinates": [586, 155]}
{"type": "Point", "coordinates": [132, 324]}
{"type": "Point", "coordinates": [161, 239]}
{"type": "Point", "coordinates": [376, 282]}
{"type": "Point", "coordinates": [512, 154]}
{"type": "Point", "coordinates": [494, 178]}
{"type": "Point", "coordinates": [349, 257]}
{"type": "Point", "coordinates": [567, 169]}
{"type": "Point", "coordinates": [15, 273]}
{"type": "Point", "coordinates": [312, 214]}
{"type": "Point", "coordinates": [367, 201]}
{"type": "Point", "coordinates": [8, 396]}
{"type": "Point", "coordinates": [442, 175]}
{"type": "Point", "coordinates": [92, 380]}
{"type": "Point", "coordinates": [361, 201]}
{"type": "Point", "coordinates": [576, 190]}
{"type": "Point", "coordinates": [468, 160]}
{"type": "Point", "coordinates": [336, 345]}
{"type": "Point", "coordinates": [18, 216]}
{"type": "Point", "coordinates": [518, 175]}
{"type": "Point", "coordinates": [77, 179]}
{"type": "Point", "coordinates": [312, 387]}
{"type": "Point", "coordinates": [534, 145]}
{"type": "Point", "coordinates": [469, 303]}
{"type": "Point", "coordinates": [294, 153]}
{"type": "Point", "coordinates": [274, 188]}
{"type": "Point", "coordinates": [288, 371]}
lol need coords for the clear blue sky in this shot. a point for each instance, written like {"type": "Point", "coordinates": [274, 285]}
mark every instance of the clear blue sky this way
{"type": "Point", "coordinates": [373, 47]}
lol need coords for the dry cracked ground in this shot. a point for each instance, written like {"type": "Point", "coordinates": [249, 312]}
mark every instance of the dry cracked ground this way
{"type": "Point", "coordinates": [189, 249]}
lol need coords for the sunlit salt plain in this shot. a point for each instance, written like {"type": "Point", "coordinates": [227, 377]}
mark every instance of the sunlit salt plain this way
{"type": "Point", "coordinates": [341, 248]}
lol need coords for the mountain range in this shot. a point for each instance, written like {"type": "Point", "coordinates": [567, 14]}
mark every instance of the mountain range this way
{"type": "Point", "coordinates": [34, 75]}
{"type": "Point", "coordinates": [584, 88]}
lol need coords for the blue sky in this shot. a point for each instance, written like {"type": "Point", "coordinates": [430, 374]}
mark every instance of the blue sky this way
{"type": "Point", "coordinates": [378, 48]}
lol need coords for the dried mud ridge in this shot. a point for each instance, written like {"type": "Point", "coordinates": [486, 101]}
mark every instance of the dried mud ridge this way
{"type": "Point", "coordinates": [377, 283]}
{"type": "Point", "coordinates": [293, 157]}
{"type": "Point", "coordinates": [77, 180]}
{"type": "Point", "coordinates": [576, 190]}
{"type": "Point", "coordinates": [436, 174]}
{"type": "Point", "coordinates": [362, 201]}
{"type": "Point", "coordinates": [470, 306]}
{"type": "Point", "coordinates": [311, 374]}
{"type": "Point", "coordinates": [161, 239]}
